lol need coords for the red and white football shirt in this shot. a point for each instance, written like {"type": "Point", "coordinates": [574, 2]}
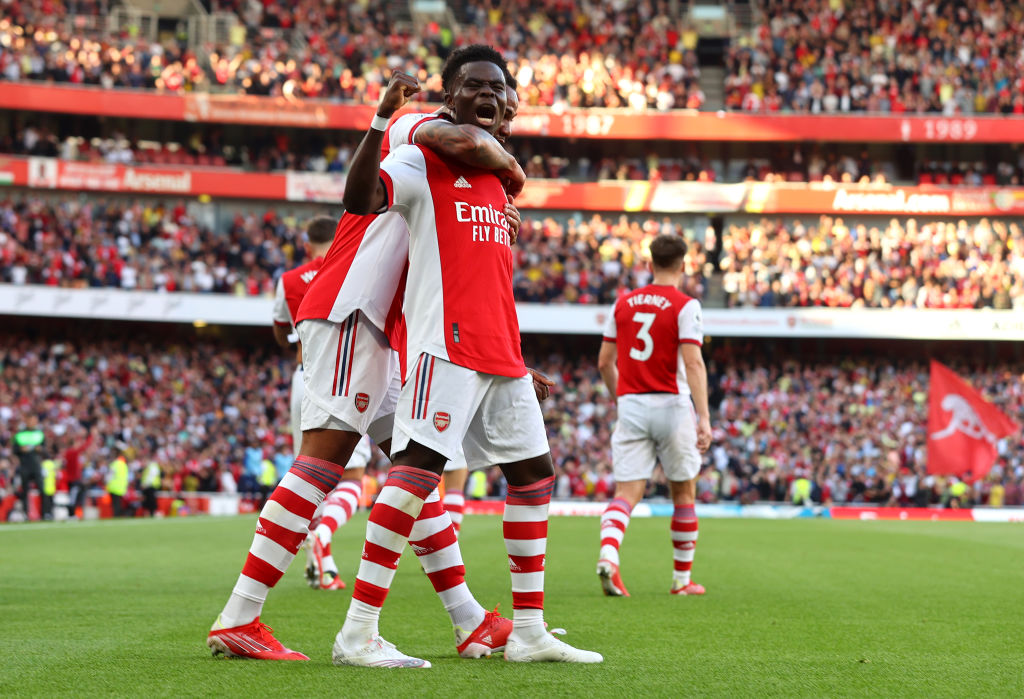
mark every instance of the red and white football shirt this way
{"type": "Point", "coordinates": [365, 266]}
{"type": "Point", "coordinates": [458, 298]}
{"type": "Point", "coordinates": [291, 288]}
{"type": "Point", "coordinates": [647, 327]}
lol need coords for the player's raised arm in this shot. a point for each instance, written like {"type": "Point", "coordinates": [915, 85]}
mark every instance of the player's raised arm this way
{"type": "Point", "coordinates": [364, 192]}
{"type": "Point", "coordinates": [473, 146]}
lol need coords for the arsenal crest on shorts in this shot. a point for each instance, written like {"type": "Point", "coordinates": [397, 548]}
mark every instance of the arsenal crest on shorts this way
{"type": "Point", "coordinates": [441, 421]}
{"type": "Point", "coordinates": [362, 401]}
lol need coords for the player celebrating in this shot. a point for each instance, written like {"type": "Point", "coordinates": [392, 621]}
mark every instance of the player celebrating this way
{"type": "Point", "coordinates": [468, 386]}
{"type": "Point", "coordinates": [349, 324]}
{"type": "Point", "coordinates": [456, 471]}
{"type": "Point", "coordinates": [651, 360]}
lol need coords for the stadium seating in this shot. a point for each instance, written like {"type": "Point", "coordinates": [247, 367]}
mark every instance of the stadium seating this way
{"type": "Point", "coordinates": [905, 57]}
{"type": "Point", "coordinates": [196, 408]}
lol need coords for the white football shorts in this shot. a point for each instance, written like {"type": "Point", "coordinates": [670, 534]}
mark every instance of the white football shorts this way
{"type": "Point", "coordinates": [458, 463]}
{"type": "Point", "coordinates": [351, 376]}
{"type": "Point", "coordinates": [652, 427]}
{"type": "Point", "coordinates": [494, 419]}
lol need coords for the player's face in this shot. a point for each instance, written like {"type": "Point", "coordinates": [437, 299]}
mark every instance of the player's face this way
{"type": "Point", "coordinates": [478, 96]}
{"type": "Point", "coordinates": [511, 109]}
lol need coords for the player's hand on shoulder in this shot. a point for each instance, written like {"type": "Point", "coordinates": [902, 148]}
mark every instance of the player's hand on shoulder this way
{"type": "Point", "coordinates": [541, 384]}
{"type": "Point", "coordinates": [515, 220]}
{"type": "Point", "coordinates": [514, 179]}
{"type": "Point", "coordinates": [400, 90]}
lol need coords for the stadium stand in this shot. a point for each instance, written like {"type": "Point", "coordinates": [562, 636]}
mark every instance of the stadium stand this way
{"type": "Point", "coordinates": [780, 212]}
{"type": "Point", "coordinates": [903, 263]}
{"type": "Point", "coordinates": [901, 57]}
{"type": "Point", "coordinates": [855, 427]}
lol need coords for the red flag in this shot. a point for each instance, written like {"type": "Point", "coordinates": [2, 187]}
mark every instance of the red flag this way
{"type": "Point", "coordinates": [963, 427]}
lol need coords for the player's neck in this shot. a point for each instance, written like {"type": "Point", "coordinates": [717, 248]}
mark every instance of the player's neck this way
{"type": "Point", "coordinates": [319, 252]}
{"type": "Point", "coordinates": [672, 279]}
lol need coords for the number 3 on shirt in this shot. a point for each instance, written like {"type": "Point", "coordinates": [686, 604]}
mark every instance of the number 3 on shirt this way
{"type": "Point", "coordinates": [644, 336]}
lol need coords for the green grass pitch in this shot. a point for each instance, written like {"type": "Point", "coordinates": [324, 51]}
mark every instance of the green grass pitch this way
{"type": "Point", "coordinates": [813, 608]}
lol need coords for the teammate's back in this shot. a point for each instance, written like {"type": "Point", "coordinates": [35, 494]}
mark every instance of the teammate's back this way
{"type": "Point", "coordinates": [647, 326]}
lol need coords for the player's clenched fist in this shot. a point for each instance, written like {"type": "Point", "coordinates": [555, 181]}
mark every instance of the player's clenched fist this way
{"type": "Point", "coordinates": [401, 88]}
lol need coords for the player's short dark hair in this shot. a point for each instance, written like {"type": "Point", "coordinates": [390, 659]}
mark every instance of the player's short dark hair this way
{"type": "Point", "coordinates": [667, 251]}
{"type": "Point", "coordinates": [510, 79]}
{"type": "Point", "coordinates": [321, 230]}
{"type": "Point", "coordinates": [474, 53]}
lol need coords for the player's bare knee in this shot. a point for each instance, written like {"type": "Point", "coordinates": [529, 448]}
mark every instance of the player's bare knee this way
{"type": "Point", "coordinates": [335, 446]}
{"type": "Point", "coordinates": [529, 471]}
{"type": "Point", "coordinates": [419, 456]}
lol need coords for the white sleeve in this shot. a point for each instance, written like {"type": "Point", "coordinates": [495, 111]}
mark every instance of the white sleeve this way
{"type": "Point", "coordinates": [281, 314]}
{"type": "Point", "coordinates": [611, 331]}
{"type": "Point", "coordinates": [691, 326]}
{"type": "Point", "coordinates": [403, 130]}
{"type": "Point", "coordinates": [404, 174]}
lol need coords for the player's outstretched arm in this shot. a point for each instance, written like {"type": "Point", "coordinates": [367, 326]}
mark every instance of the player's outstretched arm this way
{"type": "Point", "coordinates": [473, 146]}
{"type": "Point", "coordinates": [364, 192]}
{"type": "Point", "coordinates": [697, 378]}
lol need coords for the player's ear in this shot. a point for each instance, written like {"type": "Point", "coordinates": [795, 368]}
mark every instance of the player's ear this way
{"type": "Point", "coordinates": [449, 102]}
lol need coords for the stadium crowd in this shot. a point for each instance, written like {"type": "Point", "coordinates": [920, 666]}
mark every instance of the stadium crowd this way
{"type": "Point", "coordinates": [608, 54]}
{"type": "Point", "coordinates": [804, 56]}
{"type": "Point", "coordinates": [906, 263]}
{"type": "Point", "coordinates": [160, 245]}
{"type": "Point", "coordinates": [578, 258]}
{"type": "Point", "coordinates": [212, 416]}
{"type": "Point", "coordinates": [902, 56]}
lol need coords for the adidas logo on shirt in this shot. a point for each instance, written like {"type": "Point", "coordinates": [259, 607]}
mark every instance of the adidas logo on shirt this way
{"type": "Point", "coordinates": [461, 183]}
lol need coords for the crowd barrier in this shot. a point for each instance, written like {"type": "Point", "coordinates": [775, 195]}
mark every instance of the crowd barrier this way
{"type": "Point", "coordinates": [219, 504]}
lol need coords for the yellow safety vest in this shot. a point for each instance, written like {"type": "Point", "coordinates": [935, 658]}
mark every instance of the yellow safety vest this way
{"type": "Point", "coordinates": [802, 490]}
{"type": "Point", "coordinates": [49, 477]}
{"type": "Point", "coordinates": [478, 484]}
{"type": "Point", "coordinates": [269, 475]}
{"type": "Point", "coordinates": [118, 483]}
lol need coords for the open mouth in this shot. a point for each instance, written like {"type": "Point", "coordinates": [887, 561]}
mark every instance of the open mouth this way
{"type": "Point", "coordinates": [486, 114]}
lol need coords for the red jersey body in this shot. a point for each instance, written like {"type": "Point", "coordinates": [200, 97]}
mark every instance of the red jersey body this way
{"type": "Point", "coordinates": [291, 288]}
{"type": "Point", "coordinates": [458, 298]}
{"type": "Point", "coordinates": [647, 327]}
{"type": "Point", "coordinates": [364, 270]}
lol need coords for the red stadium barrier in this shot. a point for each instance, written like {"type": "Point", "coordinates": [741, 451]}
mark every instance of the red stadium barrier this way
{"type": "Point", "coordinates": [681, 125]}
{"type": "Point", "coordinates": [629, 195]}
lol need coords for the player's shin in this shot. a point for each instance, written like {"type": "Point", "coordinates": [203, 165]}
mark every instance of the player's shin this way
{"type": "Point", "coordinates": [525, 528]}
{"type": "Point", "coordinates": [434, 542]}
{"type": "Point", "coordinates": [283, 524]}
{"type": "Point", "coordinates": [684, 543]}
{"type": "Point", "coordinates": [391, 520]}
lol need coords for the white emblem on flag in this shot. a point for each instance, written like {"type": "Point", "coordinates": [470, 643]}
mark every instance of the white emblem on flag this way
{"type": "Point", "coordinates": [461, 183]}
{"type": "Point", "coordinates": [963, 419]}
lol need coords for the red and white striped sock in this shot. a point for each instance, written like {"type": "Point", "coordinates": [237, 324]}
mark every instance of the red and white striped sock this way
{"type": "Point", "coordinates": [337, 509]}
{"type": "Point", "coordinates": [455, 504]}
{"type": "Point", "coordinates": [434, 542]}
{"type": "Point", "coordinates": [684, 541]}
{"type": "Point", "coordinates": [283, 525]}
{"type": "Point", "coordinates": [613, 528]}
{"type": "Point", "coordinates": [387, 531]}
{"type": "Point", "coordinates": [525, 526]}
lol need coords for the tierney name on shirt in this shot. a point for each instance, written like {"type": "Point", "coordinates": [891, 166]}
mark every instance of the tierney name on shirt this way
{"type": "Point", "coordinates": [496, 229]}
{"type": "Point", "coordinates": [649, 300]}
